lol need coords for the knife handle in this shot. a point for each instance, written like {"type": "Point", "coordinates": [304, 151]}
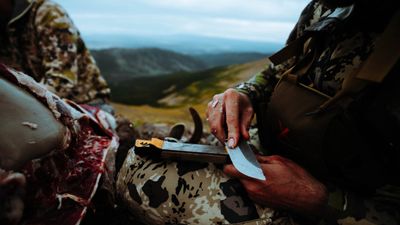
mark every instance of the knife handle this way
{"type": "Point", "coordinates": [155, 142]}
{"type": "Point", "coordinates": [151, 147]}
{"type": "Point", "coordinates": [154, 148]}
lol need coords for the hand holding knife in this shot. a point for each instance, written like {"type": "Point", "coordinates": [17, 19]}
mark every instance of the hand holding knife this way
{"type": "Point", "coordinates": [229, 115]}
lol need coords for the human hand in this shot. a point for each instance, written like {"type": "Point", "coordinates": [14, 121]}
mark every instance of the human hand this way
{"type": "Point", "coordinates": [288, 186]}
{"type": "Point", "coordinates": [230, 114]}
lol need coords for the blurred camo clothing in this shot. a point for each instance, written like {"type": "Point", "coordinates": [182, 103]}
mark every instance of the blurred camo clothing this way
{"type": "Point", "coordinates": [160, 192]}
{"type": "Point", "coordinates": [41, 40]}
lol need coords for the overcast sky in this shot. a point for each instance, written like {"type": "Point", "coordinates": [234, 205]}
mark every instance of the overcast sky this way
{"type": "Point", "coordinates": [256, 20]}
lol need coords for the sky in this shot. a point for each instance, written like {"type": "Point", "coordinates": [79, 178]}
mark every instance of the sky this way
{"type": "Point", "coordinates": [249, 20]}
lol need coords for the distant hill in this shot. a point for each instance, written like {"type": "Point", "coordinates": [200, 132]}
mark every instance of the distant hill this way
{"type": "Point", "coordinates": [167, 98]}
{"type": "Point", "coordinates": [186, 44]}
{"type": "Point", "coordinates": [117, 64]}
{"type": "Point", "coordinates": [184, 88]}
{"type": "Point", "coordinates": [229, 58]}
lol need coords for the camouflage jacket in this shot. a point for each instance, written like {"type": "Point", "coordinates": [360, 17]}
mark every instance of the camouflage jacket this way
{"type": "Point", "coordinates": [41, 40]}
{"type": "Point", "coordinates": [350, 37]}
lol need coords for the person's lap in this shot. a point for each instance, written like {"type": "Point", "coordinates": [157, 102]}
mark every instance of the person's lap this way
{"type": "Point", "coordinates": [163, 192]}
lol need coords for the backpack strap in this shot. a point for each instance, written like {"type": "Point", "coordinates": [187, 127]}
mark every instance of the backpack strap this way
{"type": "Point", "coordinates": [292, 49]}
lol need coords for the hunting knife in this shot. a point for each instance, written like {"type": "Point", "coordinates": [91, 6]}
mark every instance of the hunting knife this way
{"type": "Point", "coordinates": [242, 156]}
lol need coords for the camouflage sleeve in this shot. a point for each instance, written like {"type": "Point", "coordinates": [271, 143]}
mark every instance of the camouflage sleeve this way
{"type": "Point", "coordinates": [260, 86]}
{"type": "Point", "coordinates": [69, 69]}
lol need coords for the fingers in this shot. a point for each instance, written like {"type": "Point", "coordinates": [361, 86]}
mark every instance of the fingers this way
{"type": "Point", "coordinates": [232, 116]}
{"type": "Point", "coordinates": [272, 159]}
{"type": "Point", "coordinates": [289, 164]}
{"type": "Point", "coordinates": [216, 117]}
{"type": "Point", "coordinates": [233, 172]}
{"type": "Point", "coordinates": [262, 159]}
{"type": "Point", "coordinates": [276, 159]}
{"type": "Point", "coordinates": [232, 111]}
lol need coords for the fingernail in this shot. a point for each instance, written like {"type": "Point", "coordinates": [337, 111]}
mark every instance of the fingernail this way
{"type": "Point", "coordinates": [231, 143]}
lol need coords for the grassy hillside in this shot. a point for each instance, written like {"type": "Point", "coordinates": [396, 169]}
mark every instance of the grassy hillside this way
{"type": "Point", "coordinates": [181, 88]}
{"type": "Point", "coordinates": [212, 82]}
{"type": "Point", "coordinates": [117, 64]}
{"type": "Point", "coordinates": [120, 64]}
{"type": "Point", "coordinates": [169, 97]}
{"type": "Point", "coordinates": [229, 58]}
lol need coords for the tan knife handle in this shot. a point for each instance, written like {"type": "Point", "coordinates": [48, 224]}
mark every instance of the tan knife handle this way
{"type": "Point", "coordinates": [154, 142]}
{"type": "Point", "coordinates": [149, 148]}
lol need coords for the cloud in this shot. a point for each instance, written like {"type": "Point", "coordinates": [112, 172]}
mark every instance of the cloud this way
{"type": "Point", "coordinates": [273, 9]}
{"type": "Point", "coordinates": [259, 20]}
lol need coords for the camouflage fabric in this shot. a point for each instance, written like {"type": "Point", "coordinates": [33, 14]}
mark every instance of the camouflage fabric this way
{"type": "Point", "coordinates": [162, 192]}
{"type": "Point", "coordinates": [41, 40]}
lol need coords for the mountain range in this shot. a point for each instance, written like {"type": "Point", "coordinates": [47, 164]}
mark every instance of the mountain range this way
{"type": "Point", "coordinates": [147, 76]}
{"type": "Point", "coordinates": [120, 64]}
{"type": "Point", "coordinates": [167, 98]}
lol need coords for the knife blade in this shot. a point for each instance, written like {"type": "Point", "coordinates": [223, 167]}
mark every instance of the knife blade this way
{"type": "Point", "coordinates": [245, 161]}
{"type": "Point", "coordinates": [242, 156]}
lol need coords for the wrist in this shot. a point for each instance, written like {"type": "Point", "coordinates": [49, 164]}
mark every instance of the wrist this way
{"type": "Point", "coordinates": [314, 201]}
{"type": "Point", "coordinates": [249, 90]}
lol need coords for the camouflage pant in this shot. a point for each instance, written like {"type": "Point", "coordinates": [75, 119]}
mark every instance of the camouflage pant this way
{"type": "Point", "coordinates": [162, 192]}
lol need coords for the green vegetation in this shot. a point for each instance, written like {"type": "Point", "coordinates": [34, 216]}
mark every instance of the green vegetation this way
{"type": "Point", "coordinates": [148, 90]}
{"type": "Point", "coordinates": [232, 58]}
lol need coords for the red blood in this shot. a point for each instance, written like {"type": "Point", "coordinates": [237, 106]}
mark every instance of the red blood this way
{"type": "Point", "coordinates": [73, 171]}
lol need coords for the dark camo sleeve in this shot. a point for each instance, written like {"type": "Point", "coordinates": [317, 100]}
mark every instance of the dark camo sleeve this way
{"type": "Point", "coordinates": [261, 85]}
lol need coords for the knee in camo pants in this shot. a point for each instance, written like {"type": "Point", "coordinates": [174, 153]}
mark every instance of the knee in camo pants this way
{"type": "Point", "coordinates": [162, 192]}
